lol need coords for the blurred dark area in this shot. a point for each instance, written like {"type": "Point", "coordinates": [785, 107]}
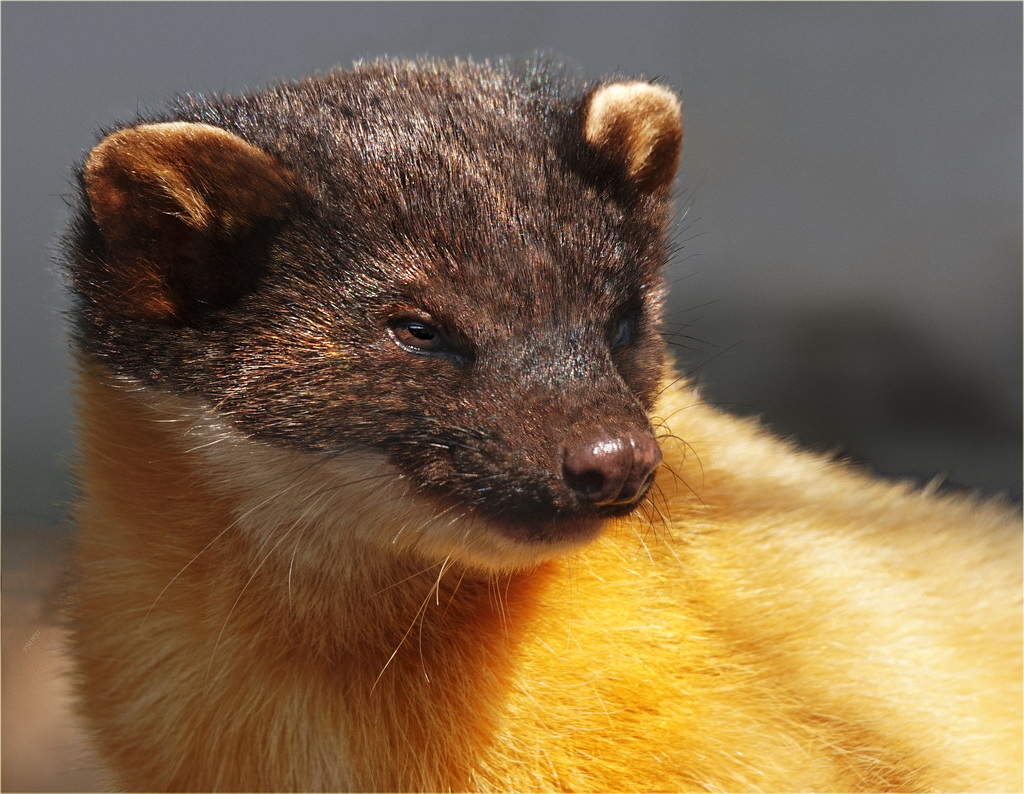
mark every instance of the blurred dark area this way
{"type": "Point", "coordinates": [860, 383]}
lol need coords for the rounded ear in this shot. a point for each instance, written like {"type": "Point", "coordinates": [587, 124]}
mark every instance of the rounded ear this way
{"type": "Point", "coordinates": [640, 126]}
{"type": "Point", "coordinates": [176, 204]}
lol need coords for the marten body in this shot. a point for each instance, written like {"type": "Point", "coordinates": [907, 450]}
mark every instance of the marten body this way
{"type": "Point", "coordinates": [371, 498]}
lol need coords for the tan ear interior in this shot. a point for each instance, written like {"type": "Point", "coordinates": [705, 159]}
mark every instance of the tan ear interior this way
{"type": "Point", "coordinates": [639, 125]}
{"type": "Point", "coordinates": [209, 178]}
{"type": "Point", "coordinates": [162, 195]}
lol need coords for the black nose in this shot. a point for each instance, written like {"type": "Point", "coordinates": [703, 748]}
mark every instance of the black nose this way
{"type": "Point", "coordinates": [611, 470]}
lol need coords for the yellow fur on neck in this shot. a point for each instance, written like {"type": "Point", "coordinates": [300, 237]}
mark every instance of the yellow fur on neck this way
{"type": "Point", "coordinates": [249, 618]}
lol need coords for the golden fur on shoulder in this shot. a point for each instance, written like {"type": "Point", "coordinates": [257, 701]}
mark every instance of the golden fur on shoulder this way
{"type": "Point", "coordinates": [769, 621]}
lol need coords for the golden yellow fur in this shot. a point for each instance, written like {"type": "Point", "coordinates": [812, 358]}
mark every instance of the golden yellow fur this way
{"type": "Point", "coordinates": [769, 621]}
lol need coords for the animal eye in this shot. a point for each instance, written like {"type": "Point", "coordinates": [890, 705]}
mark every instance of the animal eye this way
{"type": "Point", "coordinates": [624, 331]}
{"type": "Point", "coordinates": [417, 335]}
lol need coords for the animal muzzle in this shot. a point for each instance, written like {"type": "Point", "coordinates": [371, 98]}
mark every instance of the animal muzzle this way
{"type": "Point", "coordinates": [611, 469]}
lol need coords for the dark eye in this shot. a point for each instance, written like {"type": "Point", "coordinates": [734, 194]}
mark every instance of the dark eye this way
{"type": "Point", "coordinates": [417, 335]}
{"type": "Point", "coordinates": [624, 331]}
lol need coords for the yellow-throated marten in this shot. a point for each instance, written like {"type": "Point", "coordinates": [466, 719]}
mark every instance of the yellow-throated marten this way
{"type": "Point", "coordinates": [386, 483]}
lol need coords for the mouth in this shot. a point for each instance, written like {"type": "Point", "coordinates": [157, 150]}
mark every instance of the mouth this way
{"type": "Point", "coordinates": [552, 532]}
{"type": "Point", "coordinates": [540, 521]}
{"type": "Point", "coordinates": [573, 529]}
{"type": "Point", "coordinates": [513, 536]}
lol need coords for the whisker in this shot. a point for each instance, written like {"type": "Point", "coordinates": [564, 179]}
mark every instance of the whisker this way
{"type": "Point", "coordinates": [458, 584]}
{"type": "Point", "coordinates": [408, 631]}
{"type": "Point", "coordinates": [295, 482]}
{"type": "Point", "coordinates": [220, 440]}
{"type": "Point", "coordinates": [231, 611]}
{"type": "Point", "coordinates": [642, 538]}
{"type": "Point", "coordinates": [707, 361]}
{"type": "Point", "coordinates": [298, 480]}
{"type": "Point", "coordinates": [677, 476]}
{"type": "Point", "coordinates": [494, 586]}
{"type": "Point", "coordinates": [321, 496]}
{"type": "Point", "coordinates": [405, 579]}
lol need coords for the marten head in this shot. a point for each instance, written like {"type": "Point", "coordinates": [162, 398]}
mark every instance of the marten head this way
{"type": "Point", "coordinates": [453, 267]}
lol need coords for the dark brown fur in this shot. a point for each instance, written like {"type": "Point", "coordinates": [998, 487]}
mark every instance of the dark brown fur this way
{"type": "Point", "coordinates": [404, 189]}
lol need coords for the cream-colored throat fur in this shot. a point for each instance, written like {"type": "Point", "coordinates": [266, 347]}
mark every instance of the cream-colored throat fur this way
{"type": "Point", "coordinates": [768, 621]}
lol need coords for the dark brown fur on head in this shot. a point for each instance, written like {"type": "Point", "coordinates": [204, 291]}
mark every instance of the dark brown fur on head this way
{"type": "Point", "coordinates": [455, 265]}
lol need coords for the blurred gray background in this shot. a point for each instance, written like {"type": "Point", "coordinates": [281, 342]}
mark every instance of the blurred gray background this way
{"type": "Point", "coordinates": [851, 182]}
